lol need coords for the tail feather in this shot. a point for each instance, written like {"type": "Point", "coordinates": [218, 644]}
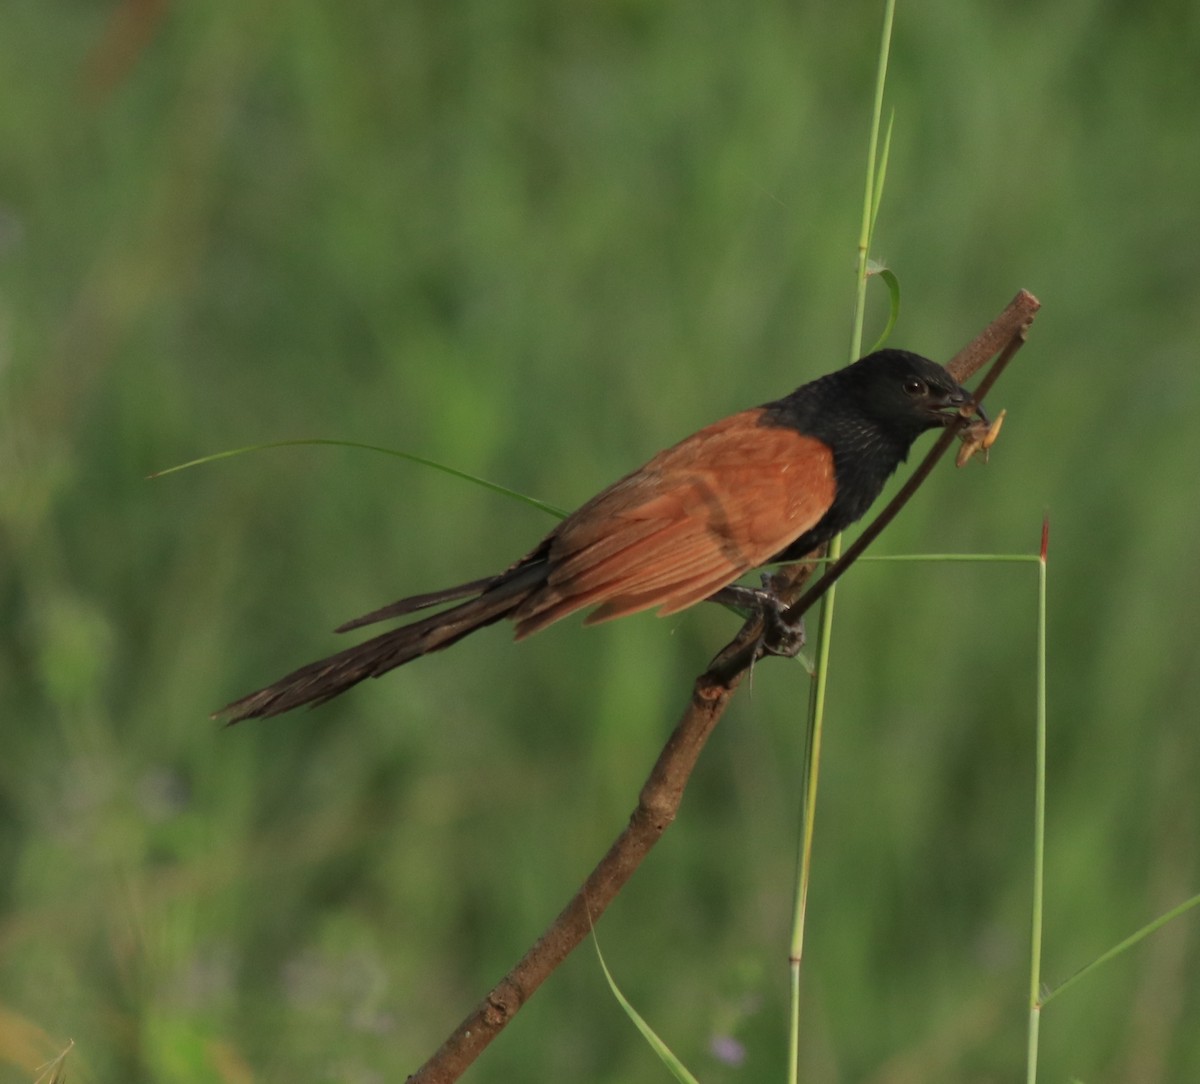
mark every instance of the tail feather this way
{"type": "Point", "coordinates": [417, 602]}
{"type": "Point", "coordinates": [322, 680]}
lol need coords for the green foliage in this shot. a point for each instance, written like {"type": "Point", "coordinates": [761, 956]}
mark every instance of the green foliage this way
{"type": "Point", "coordinates": [539, 242]}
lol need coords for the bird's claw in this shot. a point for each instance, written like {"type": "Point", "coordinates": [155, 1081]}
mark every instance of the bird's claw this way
{"type": "Point", "coordinates": [779, 635]}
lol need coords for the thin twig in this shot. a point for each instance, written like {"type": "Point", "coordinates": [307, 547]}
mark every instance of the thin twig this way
{"type": "Point", "coordinates": [662, 793]}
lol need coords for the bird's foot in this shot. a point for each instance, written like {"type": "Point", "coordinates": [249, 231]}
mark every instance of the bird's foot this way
{"type": "Point", "coordinates": [779, 636]}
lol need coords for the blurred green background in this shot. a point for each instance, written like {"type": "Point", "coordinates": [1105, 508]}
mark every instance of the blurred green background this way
{"type": "Point", "coordinates": [540, 241]}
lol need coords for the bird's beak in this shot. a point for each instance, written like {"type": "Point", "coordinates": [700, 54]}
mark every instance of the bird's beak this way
{"type": "Point", "coordinates": [947, 407]}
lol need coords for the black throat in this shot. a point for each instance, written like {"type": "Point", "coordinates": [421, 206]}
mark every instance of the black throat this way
{"type": "Point", "coordinates": [866, 450]}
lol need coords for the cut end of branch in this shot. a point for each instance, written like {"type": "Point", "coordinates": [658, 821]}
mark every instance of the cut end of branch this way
{"type": "Point", "coordinates": [1013, 321]}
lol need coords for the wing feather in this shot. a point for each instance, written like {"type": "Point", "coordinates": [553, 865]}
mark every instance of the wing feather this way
{"type": "Point", "coordinates": [693, 519]}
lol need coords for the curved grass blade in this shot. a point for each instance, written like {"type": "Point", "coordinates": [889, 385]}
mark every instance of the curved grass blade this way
{"type": "Point", "coordinates": [893, 285]}
{"type": "Point", "coordinates": [678, 1069]}
{"type": "Point", "coordinates": [495, 487]}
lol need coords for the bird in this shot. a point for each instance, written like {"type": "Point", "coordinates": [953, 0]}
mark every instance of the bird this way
{"type": "Point", "coordinates": [765, 485]}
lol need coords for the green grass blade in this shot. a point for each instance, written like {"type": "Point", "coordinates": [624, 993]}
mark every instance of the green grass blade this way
{"type": "Point", "coordinates": [454, 472]}
{"type": "Point", "coordinates": [969, 558]}
{"type": "Point", "coordinates": [812, 761]}
{"type": "Point", "coordinates": [677, 1068]}
{"type": "Point", "coordinates": [873, 193]}
{"type": "Point", "coordinates": [893, 285]}
{"type": "Point", "coordinates": [816, 715]}
{"type": "Point", "coordinates": [1116, 950]}
{"type": "Point", "coordinates": [1039, 824]}
{"type": "Point", "coordinates": [936, 558]}
{"type": "Point", "coordinates": [881, 173]}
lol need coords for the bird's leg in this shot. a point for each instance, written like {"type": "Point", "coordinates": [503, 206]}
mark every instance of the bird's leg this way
{"type": "Point", "coordinates": [740, 597]}
{"type": "Point", "coordinates": [779, 637]}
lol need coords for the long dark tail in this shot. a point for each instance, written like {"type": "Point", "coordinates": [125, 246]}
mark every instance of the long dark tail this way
{"type": "Point", "coordinates": [494, 599]}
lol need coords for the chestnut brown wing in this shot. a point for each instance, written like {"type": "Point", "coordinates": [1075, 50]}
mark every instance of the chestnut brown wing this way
{"type": "Point", "coordinates": [693, 519]}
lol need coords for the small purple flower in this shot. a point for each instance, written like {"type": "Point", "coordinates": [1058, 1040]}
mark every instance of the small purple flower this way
{"type": "Point", "coordinates": [727, 1050]}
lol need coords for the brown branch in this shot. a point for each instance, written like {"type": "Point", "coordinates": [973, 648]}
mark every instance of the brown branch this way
{"type": "Point", "coordinates": [1013, 321]}
{"type": "Point", "coordinates": [656, 808]}
{"type": "Point", "coordinates": [662, 793]}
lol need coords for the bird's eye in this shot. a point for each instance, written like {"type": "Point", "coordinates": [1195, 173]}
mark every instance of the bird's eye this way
{"type": "Point", "coordinates": [915, 387]}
